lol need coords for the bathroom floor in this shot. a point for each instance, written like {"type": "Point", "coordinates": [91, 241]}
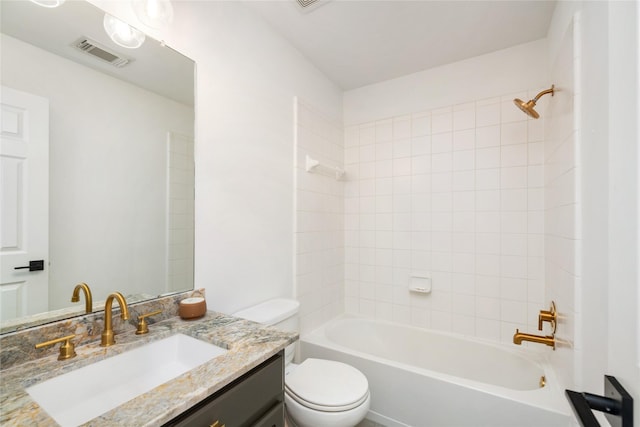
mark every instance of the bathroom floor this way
{"type": "Point", "coordinates": [369, 423]}
{"type": "Point", "coordinates": [364, 423]}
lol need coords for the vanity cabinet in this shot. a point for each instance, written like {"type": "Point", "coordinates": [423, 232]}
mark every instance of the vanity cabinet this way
{"type": "Point", "coordinates": [255, 399]}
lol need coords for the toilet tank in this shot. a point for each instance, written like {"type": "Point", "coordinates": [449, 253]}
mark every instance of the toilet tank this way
{"type": "Point", "coordinates": [279, 313]}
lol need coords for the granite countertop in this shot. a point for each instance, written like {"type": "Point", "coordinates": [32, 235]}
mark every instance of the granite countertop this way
{"type": "Point", "coordinates": [248, 344]}
{"type": "Point", "coordinates": [60, 314]}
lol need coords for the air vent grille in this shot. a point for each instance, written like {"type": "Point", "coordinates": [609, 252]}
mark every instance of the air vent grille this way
{"type": "Point", "coordinates": [308, 6]}
{"type": "Point", "coordinates": [306, 3]}
{"type": "Point", "coordinates": [90, 47]}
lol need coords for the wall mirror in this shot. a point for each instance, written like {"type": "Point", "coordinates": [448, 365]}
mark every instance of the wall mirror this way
{"type": "Point", "coordinates": [97, 164]}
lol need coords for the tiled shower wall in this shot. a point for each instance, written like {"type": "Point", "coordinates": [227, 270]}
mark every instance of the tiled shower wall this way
{"type": "Point", "coordinates": [319, 223]}
{"type": "Point", "coordinates": [180, 183]}
{"type": "Point", "coordinates": [455, 194]}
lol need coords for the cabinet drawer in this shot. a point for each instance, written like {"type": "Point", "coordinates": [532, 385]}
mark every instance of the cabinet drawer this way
{"type": "Point", "coordinates": [273, 418]}
{"type": "Point", "coordinates": [243, 402]}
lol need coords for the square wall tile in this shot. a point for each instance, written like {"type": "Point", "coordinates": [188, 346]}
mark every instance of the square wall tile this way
{"type": "Point", "coordinates": [367, 134]}
{"type": "Point", "coordinates": [488, 136]}
{"type": "Point", "coordinates": [442, 162]}
{"type": "Point", "coordinates": [441, 143]}
{"type": "Point", "coordinates": [463, 160]}
{"type": "Point", "coordinates": [402, 127]}
{"type": "Point", "coordinates": [487, 158]}
{"type": "Point", "coordinates": [441, 122]}
{"type": "Point", "coordinates": [419, 146]}
{"type": "Point", "coordinates": [384, 151]}
{"type": "Point", "coordinates": [488, 179]}
{"type": "Point", "coordinates": [464, 140]}
{"type": "Point", "coordinates": [421, 124]}
{"type": "Point", "coordinates": [514, 199]}
{"type": "Point", "coordinates": [463, 201]}
{"type": "Point", "coordinates": [384, 186]}
{"type": "Point", "coordinates": [513, 133]}
{"type": "Point", "coordinates": [421, 164]}
{"type": "Point", "coordinates": [465, 118]}
{"type": "Point", "coordinates": [463, 242]}
{"type": "Point", "coordinates": [514, 155]}
{"type": "Point", "coordinates": [383, 130]}
{"type": "Point", "coordinates": [403, 148]}
{"type": "Point", "coordinates": [488, 114]}
{"type": "Point", "coordinates": [351, 136]}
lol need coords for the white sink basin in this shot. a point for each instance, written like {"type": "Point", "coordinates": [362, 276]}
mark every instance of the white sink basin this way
{"type": "Point", "coordinates": [81, 395]}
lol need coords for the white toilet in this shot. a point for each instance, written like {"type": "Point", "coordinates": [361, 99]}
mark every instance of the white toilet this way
{"type": "Point", "coordinates": [318, 392]}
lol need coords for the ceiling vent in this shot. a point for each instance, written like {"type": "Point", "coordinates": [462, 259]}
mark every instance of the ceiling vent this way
{"type": "Point", "coordinates": [90, 47]}
{"type": "Point", "coordinates": [310, 5]}
{"type": "Point", "coordinates": [306, 3]}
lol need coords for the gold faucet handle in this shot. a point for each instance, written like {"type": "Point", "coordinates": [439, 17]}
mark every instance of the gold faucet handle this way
{"type": "Point", "coordinates": [548, 316]}
{"type": "Point", "coordinates": [67, 349]}
{"type": "Point", "coordinates": [143, 327]}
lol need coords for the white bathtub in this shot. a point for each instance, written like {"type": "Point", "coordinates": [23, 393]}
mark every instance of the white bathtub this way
{"type": "Point", "coordinates": [424, 378]}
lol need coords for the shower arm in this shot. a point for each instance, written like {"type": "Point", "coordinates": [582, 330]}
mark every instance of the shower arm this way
{"type": "Point", "coordinates": [544, 92]}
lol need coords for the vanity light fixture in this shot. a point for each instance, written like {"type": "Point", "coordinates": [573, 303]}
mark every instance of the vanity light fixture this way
{"type": "Point", "coordinates": [122, 33]}
{"type": "Point", "coordinates": [153, 13]}
{"type": "Point", "coordinates": [48, 3]}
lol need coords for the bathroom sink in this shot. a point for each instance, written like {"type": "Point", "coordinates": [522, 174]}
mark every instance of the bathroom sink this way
{"type": "Point", "coordinates": [83, 394]}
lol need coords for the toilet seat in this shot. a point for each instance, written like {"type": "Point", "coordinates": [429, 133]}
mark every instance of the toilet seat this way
{"type": "Point", "coordinates": [327, 386]}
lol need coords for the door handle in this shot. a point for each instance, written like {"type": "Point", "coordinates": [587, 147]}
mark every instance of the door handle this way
{"type": "Point", "coordinates": [33, 266]}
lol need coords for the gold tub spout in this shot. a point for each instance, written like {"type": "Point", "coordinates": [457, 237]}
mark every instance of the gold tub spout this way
{"type": "Point", "coordinates": [549, 340]}
{"type": "Point", "coordinates": [88, 307]}
{"type": "Point", "coordinates": [107, 334]}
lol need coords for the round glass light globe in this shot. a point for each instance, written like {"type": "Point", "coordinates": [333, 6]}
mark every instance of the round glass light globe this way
{"type": "Point", "coordinates": [122, 33]}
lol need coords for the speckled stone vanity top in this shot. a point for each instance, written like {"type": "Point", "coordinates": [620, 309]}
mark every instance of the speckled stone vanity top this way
{"type": "Point", "coordinates": [249, 344]}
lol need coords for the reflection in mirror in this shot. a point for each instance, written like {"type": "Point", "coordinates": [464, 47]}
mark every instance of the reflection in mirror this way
{"type": "Point", "coordinates": [97, 159]}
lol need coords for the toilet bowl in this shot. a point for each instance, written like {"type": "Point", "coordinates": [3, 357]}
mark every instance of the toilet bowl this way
{"type": "Point", "coordinates": [318, 392]}
{"type": "Point", "coordinates": [324, 393]}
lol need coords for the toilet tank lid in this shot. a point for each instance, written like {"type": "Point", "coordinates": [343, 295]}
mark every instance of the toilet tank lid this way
{"type": "Point", "coordinates": [270, 312]}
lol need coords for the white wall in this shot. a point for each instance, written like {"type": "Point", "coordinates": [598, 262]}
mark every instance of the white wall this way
{"type": "Point", "coordinates": [319, 218]}
{"type": "Point", "coordinates": [604, 147]}
{"type": "Point", "coordinates": [497, 73]}
{"type": "Point", "coordinates": [623, 349]}
{"type": "Point", "coordinates": [451, 190]}
{"type": "Point", "coordinates": [247, 77]}
{"type": "Point", "coordinates": [84, 104]}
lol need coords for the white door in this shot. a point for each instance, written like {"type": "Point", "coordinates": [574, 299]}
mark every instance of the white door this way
{"type": "Point", "coordinates": [24, 203]}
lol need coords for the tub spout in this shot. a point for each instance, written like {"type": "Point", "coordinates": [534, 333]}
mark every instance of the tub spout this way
{"type": "Point", "coordinates": [549, 340]}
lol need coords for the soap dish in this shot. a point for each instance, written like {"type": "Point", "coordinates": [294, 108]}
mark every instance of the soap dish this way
{"type": "Point", "coordinates": [192, 308]}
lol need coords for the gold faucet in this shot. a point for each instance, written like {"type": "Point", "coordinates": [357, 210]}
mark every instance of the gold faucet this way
{"type": "Point", "coordinates": [107, 334]}
{"type": "Point", "coordinates": [544, 316]}
{"type": "Point", "coordinates": [88, 307]}
{"type": "Point", "coordinates": [549, 340]}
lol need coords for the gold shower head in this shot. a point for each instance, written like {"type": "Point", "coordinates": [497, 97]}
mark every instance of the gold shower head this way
{"type": "Point", "coordinates": [528, 107]}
